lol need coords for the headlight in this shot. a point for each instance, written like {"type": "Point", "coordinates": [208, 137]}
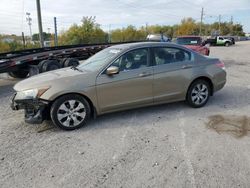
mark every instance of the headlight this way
{"type": "Point", "coordinates": [31, 93]}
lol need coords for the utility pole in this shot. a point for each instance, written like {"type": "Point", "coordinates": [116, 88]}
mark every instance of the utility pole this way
{"type": "Point", "coordinates": [23, 40]}
{"type": "Point", "coordinates": [109, 35]}
{"type": "Point", "coordinates": [202, 14]}
{"type": "Point", "coordinates": [55, 25]}
{"type": "Point", "coordinates": [40, 27]}
{"type": "Point", "coordinates": [231, 25]}
{"type": "Point", "coordinates": [219, 23]}
{"type": "Point", "coordinates": [29, 19]}
{"type": "Point", "coordinates": [49, 36]}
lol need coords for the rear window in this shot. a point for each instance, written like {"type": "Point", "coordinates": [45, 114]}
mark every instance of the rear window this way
{"type": "Point", "coordinates": [189, 41]}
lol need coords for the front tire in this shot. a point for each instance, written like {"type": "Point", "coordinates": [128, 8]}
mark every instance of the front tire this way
{"type": "Point", "coordinates": [70, 112]}
{"type": "Point", "coordinates": [198, 93]}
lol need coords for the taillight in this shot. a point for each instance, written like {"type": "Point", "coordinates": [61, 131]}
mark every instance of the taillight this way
{"type": "Point", "coordinates": [220, 64]}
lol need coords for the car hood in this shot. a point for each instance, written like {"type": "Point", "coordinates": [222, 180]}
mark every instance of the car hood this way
{"type": "Point", "coordinates": [66, 77]}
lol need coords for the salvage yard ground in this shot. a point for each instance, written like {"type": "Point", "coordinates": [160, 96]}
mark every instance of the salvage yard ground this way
{"type": "Point", "coordinates": [169, 145]}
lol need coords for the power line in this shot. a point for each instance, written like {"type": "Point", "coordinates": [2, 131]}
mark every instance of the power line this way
{"type": "Point", "coordinates": [190, 4]}
{"type": "Point", "coordinates": [22, 16]}
{"type": "Point", "coordinates": [149, 12]}
{"type": "Point", "coordinates": [202, 14]}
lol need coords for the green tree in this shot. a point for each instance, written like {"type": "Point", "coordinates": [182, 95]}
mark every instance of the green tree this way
{"type": "Point", "coordinates": [129, 33]}
{"type": "Point", "coordinates": [46, 36]}
{"type": "Point", "coordinates": [4, 47]}
{"type": "Point", "coordinates": [237, 30]}
{"type": "Point", "coordinates": [188, 27]}
{"type": "Point", "coordinates": [88, 32]}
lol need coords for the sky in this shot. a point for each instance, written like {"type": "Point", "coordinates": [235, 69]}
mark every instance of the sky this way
{"type": "Point", "coordinates": [112, 14]}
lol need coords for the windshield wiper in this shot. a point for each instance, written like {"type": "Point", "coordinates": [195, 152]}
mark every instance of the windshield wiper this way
{"type": "Point", "coordinates": [75, 68]}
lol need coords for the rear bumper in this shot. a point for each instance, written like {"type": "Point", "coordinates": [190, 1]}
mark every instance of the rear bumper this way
{"type": "Point", "coordinates": [35, 110]}
{"type": "Point", "coordinates": [220, 80]}
{"type": "Point", "coordinates": [219, 85]}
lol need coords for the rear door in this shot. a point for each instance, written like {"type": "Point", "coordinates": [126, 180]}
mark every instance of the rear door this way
{"type": "Point", "coordinates": [131, 87]}
{"type": "Point", "coordinates": [172, 73]}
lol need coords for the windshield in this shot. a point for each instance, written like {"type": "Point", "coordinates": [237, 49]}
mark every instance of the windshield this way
{"type": "Point", "coordinates": [189, 41]}
{"type": "Point", "coordinates": [99, 59]}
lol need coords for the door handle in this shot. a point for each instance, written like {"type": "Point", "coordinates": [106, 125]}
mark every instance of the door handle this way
{"type": "Point", "coordinates": [187, 66]}
{"type": "Point", "coordinates": [144, 74]}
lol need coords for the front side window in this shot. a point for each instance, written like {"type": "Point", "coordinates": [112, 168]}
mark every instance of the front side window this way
{"type": "Point", "coordinates": [132, 60]}
{"type": "Point", "coordinates": [170, 55]}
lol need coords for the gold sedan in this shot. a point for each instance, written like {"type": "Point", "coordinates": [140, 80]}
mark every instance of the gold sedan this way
{"type": "Point", "coordinates": [118, 78]}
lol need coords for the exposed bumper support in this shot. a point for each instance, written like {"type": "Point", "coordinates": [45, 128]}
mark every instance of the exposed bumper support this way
{"type": "Point", "coordinates": [35, 109]}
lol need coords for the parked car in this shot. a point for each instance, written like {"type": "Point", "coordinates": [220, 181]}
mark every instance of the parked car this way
{"type": "Point", "coordinates": [193, 42]}
{"type": "Point", "coordinates": [118, 78]}
{"type": "Point", "coordinates": [158, 38]}
{"type": "Point", "coordinates": [219, 41]}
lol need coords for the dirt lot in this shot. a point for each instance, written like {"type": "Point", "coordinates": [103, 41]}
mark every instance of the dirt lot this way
{"type": "Point", "coordinates": [170, 145]}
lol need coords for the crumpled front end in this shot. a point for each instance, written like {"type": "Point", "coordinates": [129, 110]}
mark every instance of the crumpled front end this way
{"type": "Point", "coordinates": [35, 109]}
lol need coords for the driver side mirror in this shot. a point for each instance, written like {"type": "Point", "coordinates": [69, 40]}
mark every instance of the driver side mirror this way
{"type": "Point", "coordinates": [112, 70]}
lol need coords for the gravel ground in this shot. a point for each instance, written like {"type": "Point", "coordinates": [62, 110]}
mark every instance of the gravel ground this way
{"type": "Point", "coordinates": [169, 145]}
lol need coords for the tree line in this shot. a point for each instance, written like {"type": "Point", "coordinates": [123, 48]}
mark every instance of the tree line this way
{"type": "Point", "coordinates": [89, 31]}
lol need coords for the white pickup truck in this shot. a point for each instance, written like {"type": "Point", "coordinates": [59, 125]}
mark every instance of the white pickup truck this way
{"type": "Point", "coordinates": [219, 41]}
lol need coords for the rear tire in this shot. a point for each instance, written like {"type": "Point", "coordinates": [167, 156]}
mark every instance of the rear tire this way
{"type": "Point", "coordinates": [198, 93]}
{"type": "Point", "coordinates": [40, 65]}
{"type": "Point", "coordinates": [71, 62]}
{"type": "Point", "coordinates": [62, 61]}
{"type": "Point", "coordinates": [227, 44]}
{"type": "Point", "coordinates": [19, 74]}
{"type": "Point", "coordinates": [50, 65]}
{"type": "Point", "coordinates": [70, 112]}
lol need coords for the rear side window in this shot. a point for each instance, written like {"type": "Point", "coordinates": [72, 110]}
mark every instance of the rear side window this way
{"type": "Point", "coordinates": [166, 55]}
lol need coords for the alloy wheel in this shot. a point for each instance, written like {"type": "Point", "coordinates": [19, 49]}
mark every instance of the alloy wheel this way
{"type": "Point", "coordinates": [199, 94]}
{"type": "Point", "coordinates": [71, 113]}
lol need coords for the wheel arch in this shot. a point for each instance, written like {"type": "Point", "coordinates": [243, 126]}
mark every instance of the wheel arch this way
{"type": "Point", "coordinates": [206, 79]}
{"type": "Point", "coordinates": [92, 106]}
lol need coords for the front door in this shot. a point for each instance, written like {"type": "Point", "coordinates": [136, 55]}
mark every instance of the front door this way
{"type": "Point", "coordinates": [131, 87]}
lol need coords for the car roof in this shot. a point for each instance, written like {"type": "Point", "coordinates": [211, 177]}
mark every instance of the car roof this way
{"type": "Point", "coordinates": [145, 44]}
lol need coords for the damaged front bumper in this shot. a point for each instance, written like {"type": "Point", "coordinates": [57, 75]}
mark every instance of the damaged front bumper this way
{"type": "Point", "coordinates": [35, 109]}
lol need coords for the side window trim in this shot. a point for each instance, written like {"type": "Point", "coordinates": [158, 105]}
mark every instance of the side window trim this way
{"type": "Point", "coordinates": [153, 54]}
{"type": "Point", "coordinates": [148, 56]}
